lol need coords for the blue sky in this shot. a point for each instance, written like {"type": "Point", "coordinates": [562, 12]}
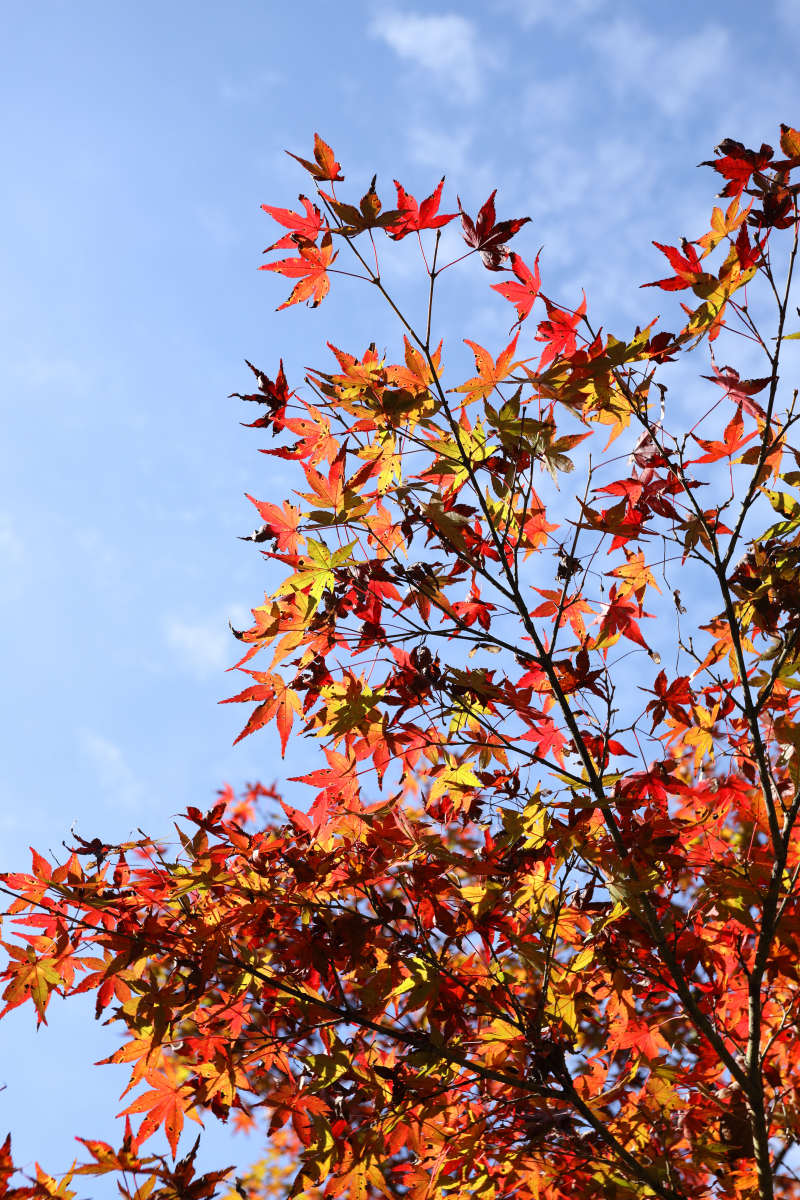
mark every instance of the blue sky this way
{"type": "Point", "coordinates": [139, 141]}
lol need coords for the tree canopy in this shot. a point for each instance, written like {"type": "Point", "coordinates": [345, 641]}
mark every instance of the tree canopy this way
{"type": "Point", "coordinates": [536, 934]}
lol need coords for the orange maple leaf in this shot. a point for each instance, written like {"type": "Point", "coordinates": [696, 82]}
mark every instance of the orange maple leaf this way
{"type": "Point", "coordinates": [636, 576]}
{"type": "Point", "coordinates": [283, 524]}
{"type": "Point", "coordinates": [574, 608]}
{"type": "Point", "coordinates": [328, 493]}
{"type": "Point", "coordinates": [490, 372]}
{"type": "Point", "coordinates": [317, 440]}
{"type": "Point", "coordinates": [325, 167]}
{"type": "Point", "coordinates": [167, 1104]}
{"type": "Point", "coordinates": [278, 701]}
{"type": "Point", "coordinates": [310, 268]}
{"type": "Point", "coordinates": [416, 375]}
{"type": "Point", "coordinates": [32, 978]}
{"type": "Point", "coordinates": [726, 449]}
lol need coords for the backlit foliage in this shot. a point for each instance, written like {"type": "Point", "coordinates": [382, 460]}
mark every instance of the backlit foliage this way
{"type": "Point", "coordinates": [536, 934]}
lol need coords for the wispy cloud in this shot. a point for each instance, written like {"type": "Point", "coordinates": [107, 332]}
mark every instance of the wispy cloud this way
{"type": "Point", "coordinates": [446, 48]}
{"type": "Point", "coordinates": [39, 372]}
{"type": "Point", "coordinates": [246, 91]}
{"type": "Point", "coordinates": [671, 73]}
{"type": "Point", "coordinates": [114, 777]}
{"type": "Point", "coordinates": [203, 647]}
{"type": "Point", "coordinates": [788, 13]}
{"type": "Point", "coordinates": [434, 148]}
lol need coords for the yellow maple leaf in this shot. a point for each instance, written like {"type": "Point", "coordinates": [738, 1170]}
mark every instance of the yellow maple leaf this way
{"type": "Point", "coordinates": [490, 373]}
{"type": "Point", "coordinates": [636, 576]}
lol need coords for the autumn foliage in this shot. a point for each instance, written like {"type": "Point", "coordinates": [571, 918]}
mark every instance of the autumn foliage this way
{"type": "Point", "coordinates": [535, 933]}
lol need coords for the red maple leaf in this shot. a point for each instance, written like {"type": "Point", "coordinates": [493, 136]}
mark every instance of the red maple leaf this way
{"type": "Point", "coordinates": [487, 235]}
{"type": "Point", "coordinates": [777, 211]}
{"type": "Point", "coordinates": [645, 453]}
{"type": "Point", "coordinates": [307, 227]}
{"type": "Point", "coordinates": [630, 488]}
{"type": "Point", "coordinates": [549, 739]}
{"type": "Point", "coordinates": [339, 778]}
{"type": "Point", "coordinates": [738, 164]}
{"type": "Point", "coordinates": [289, 1101]}
{"type": "Point", "coordinates": [675, 699]}
{"type": "Point", "coordinates": [747, 254]}
{"type": "Point", "coordinates": [523, 294]}
{"type": "Point", "coordinates": [687, 268]}
{"type": "Point", "coordinates": [739, 390]}
{"type": "Point", "coordinates": [619, 618]}
{"type": "Point", "coordinates": [601, 749]}
{"type": "Point", "coordinates": [474, 609]}
{"type": "Point", "coordinates": [726, 449]}
{"type": "Point", "coordinates": [559, 332]}
{"type": "Point", "coordinates": [274, 395]}
{"type": "Point", "coordinates": [414, 217]}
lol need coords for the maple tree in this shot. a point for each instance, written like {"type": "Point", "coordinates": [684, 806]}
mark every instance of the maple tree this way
{"type": "Point", "coordinates": [537, 933]}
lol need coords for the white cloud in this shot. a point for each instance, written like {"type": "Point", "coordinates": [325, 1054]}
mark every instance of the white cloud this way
{"type": "Point", "coordinates": [113, 774]}
{"type": "Point", "coordinates": [204, 647]}
{"type": "Point", "coordinates": [445, 151]}
{"type": "Point", "coordinates": [446, 48]}
{"type": "Point", "coordinates": [39, 372]}
{"type": "Point", "coordinates": [672, 73]}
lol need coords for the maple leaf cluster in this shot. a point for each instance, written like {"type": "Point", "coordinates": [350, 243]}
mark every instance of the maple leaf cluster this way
{"type": "Point", "coordinates": [535, 932]}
